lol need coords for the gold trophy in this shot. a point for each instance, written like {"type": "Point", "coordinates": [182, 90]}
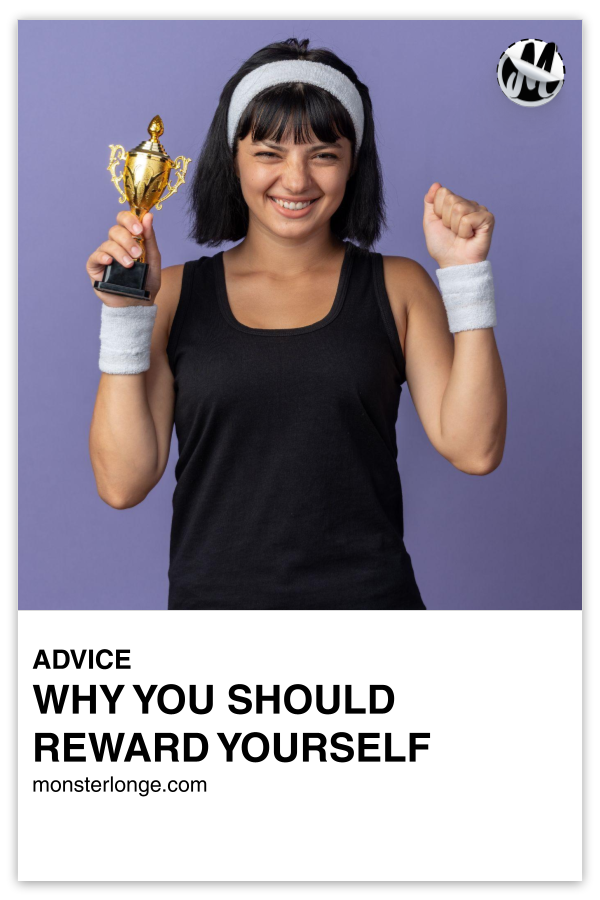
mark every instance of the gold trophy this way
{"type": "Point", "coordinates": [145, 176]}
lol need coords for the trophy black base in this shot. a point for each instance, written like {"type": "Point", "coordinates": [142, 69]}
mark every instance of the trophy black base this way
{"type": "Point", "coordinates": [126, 281]}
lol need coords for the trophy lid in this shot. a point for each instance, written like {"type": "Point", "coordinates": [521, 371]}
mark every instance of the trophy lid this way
{"type": "Point", "coordinates": [154, 146]}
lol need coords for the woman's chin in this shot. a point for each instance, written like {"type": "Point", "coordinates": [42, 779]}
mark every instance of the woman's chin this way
{"type": "Point", "coordinates": [289, 228]}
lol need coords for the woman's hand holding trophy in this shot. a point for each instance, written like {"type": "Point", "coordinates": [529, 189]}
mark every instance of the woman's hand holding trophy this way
{"type": "Point", "coordinates": [125, 270]}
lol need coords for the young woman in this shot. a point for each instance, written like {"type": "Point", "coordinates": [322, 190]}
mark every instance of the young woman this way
{"type": "Point", "coordinates": [281, 360]}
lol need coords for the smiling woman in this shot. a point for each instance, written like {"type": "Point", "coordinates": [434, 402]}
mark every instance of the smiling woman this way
{"type": "Point", "coordinates": [281, 360]}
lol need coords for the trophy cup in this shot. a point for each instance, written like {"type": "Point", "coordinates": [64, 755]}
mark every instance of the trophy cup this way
{"type": "Point", "coordinates": [145, 176]}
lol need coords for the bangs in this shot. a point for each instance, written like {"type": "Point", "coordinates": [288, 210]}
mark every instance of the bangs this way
{"type": "Point", "coordinates": [298, 109]}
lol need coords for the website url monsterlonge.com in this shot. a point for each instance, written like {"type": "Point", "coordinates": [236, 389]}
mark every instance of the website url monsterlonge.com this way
{"type": "Point", "coordinates": [143, 787]}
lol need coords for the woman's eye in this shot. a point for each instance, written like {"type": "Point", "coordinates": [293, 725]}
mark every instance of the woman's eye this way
{"type": "Point", "coordinates": [319, 156]}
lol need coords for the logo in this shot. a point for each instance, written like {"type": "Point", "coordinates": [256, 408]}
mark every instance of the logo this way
{"type": "Point", "coordinates": [531, 72]}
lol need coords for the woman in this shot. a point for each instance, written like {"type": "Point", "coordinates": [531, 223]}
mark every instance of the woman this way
{"type": "Point", "coordinates": [281, 360]}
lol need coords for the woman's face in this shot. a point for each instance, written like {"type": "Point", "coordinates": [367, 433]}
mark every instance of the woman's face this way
{"type": "Point", "coordinates": [313, 173]}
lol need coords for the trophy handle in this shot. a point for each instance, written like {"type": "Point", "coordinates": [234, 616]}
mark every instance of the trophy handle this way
{"type": "Point", "coordinates": [180, 166]}
{"type": "Point", "coordinates": [117, 155]}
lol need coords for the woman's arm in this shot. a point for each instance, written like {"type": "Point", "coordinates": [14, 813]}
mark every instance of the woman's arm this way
{"type": "Point", "coordinates": [132, 422]}
{"type": "Point", "coordinates": [456, 383]}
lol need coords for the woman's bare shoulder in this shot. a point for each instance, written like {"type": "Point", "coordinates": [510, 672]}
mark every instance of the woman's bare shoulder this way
{"type": "Point", "coordinates": [168, 296]}
{"type": "Point", "coordinates": [170, 285]}
{"type": "Point", "coordinates": [405, 279]}
{"type": "Point", "coordinates": [407, 284]}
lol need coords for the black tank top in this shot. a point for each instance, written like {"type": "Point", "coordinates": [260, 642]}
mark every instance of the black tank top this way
{"type": "Point", "coordinates": [288, 494]}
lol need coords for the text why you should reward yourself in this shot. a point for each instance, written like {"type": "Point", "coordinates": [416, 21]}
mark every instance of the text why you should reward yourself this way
{"type": "Point", "coordinates": [194, 746]}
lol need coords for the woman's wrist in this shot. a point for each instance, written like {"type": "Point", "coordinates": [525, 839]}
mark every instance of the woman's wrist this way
{"type": "Point", "coordinates": [468, 295]}
{"type": "Point", "coordinates": [453, 265]}
{"type": "Point", "coordinates": [125, 339]}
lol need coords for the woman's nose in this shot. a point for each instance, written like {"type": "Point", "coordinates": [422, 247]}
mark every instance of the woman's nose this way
{"type": "Point", "coordinates": [295, 177]}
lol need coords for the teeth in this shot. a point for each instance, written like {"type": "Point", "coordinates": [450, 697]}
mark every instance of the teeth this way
{"type": "Point", "coordinates": [287, 205]}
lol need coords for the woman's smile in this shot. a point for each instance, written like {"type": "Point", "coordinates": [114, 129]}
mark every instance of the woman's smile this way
{"type": "Point", "coordinates": [292, 213]}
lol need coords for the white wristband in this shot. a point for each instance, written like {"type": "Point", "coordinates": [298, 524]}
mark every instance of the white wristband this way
{"type": "Point", "coordinates": [468, 295]}
{"type": "Point", "coordinates": [125, 336]}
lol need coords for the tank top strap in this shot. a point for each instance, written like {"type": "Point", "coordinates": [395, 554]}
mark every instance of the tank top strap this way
{"type": "Point", "coordinates": [197, 300]}
{"type": "Point", "coordinates": [368, 303]}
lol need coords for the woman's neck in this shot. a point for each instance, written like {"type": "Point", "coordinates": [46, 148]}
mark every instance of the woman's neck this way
{"type": "Point", "coordinates": [272, 254]}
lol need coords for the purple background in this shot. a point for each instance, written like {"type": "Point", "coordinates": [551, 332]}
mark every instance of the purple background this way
{"type": "Point", "coordinates": [509, 540]}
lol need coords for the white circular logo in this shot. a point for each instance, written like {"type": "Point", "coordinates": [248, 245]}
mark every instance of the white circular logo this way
{"type": "Point", "coordinates": [531, 72]}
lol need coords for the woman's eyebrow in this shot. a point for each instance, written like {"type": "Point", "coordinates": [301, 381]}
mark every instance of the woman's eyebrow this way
{"type": "Point", "coordinates": [276, 146]}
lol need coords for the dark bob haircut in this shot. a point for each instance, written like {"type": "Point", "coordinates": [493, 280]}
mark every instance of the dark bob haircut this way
{"type": "Point", "coordinates": [216, 204]}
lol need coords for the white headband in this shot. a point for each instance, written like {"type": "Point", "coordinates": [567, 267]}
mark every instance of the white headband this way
{"type": "Point", "coordinates": [296, 70]}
